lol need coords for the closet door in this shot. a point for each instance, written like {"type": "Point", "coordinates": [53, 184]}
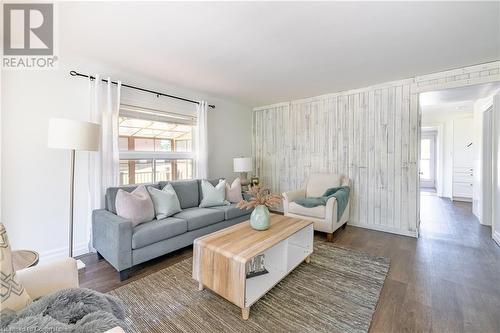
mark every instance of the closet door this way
{"type": "Point", "coordinates": [463, 159]}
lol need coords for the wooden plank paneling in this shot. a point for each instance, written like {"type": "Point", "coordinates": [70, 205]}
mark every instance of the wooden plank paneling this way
{"type": "Point", "coordinates": [369, 134]}
{"type": "Point", "coordinates": [365, 135]}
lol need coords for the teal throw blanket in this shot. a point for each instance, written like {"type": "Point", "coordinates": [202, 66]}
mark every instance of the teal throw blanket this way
{"type": "Point", "coordinates": [340, 193]}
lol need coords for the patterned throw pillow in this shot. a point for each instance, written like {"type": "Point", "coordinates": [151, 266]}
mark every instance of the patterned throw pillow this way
{"type": "Point", "coordinates": [136, 206]}
{"type": "Point", "coordinates": [233, 192]}
{"type": "Point", "coordinates": [13, 295]}
{"type": "Point", "coordinates": [213, 195]}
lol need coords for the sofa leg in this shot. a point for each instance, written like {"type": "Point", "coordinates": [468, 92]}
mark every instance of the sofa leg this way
{"type": "Point", "coordinates": [344, 225]}
{"type": "Point", "coordinates": [329, 237]}
{"type": "Point", "coordinates": [124, 274]}
{"type": "Point", "coordinates": [99, 256]}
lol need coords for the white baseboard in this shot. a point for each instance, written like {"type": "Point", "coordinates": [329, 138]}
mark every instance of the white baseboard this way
{"type": "Point", "coordinates": [383, 228]}
{"type": "Point", "coordinates": [496, 237]}
{"type": "Point", "coordinates": [61, 253]}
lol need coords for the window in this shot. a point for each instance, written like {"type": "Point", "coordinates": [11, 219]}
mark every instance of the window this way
{"type": "Point", "coordinates": [154, 146]}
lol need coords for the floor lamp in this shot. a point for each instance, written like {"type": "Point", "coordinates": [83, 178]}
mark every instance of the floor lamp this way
{"type": "Point", "coordinates": [73, 135]}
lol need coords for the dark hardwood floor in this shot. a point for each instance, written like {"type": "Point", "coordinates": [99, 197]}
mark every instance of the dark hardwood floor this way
{"type": "Point", "coordinates": [446, 281]}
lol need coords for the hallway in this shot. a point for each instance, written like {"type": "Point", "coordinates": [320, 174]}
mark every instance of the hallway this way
{"type": "Point", "coordinates": [463, 266]}
{"type": "Point", "coordinates": [444, 219]}
{"type": "Point", "coordinates": [448, 280]}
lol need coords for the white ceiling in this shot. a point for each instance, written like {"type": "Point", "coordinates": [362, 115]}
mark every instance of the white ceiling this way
{"type": "Point", "coordinates": [266, 52]}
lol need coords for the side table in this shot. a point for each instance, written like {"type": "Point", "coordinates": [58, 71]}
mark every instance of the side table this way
{"type": "Point", "coordinates": [22, 259]}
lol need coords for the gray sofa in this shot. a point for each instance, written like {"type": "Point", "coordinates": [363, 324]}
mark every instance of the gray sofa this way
{"type": "Point", "coordinates": [124, 246]}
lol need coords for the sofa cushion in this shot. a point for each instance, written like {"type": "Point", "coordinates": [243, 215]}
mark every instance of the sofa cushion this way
{"type": "Point", "coordinates": [318, 183]}
{"type": "Point", "coordinates": [187, 192]}
{"type": "Point", "coordinates": [233, 191]}
{"type": "Point", "coordinates": [317, 212]}
{"type": "Point", "coordinates": [213, 195]}
{"type": "Point", "coordinates": [231, 211]}
{"type": "Point", "coordinates": [111, 195]}
{"type": "Point", "coordinates": [214, 182]}
{"type": "Point", "coordinates": [165, 201]}
{"type": "Point", "coordinates": [197, 217]}
{"type": "Point", "coordinates": [157, 230]}
{"type": "Point", "coordinates": [136, 206]}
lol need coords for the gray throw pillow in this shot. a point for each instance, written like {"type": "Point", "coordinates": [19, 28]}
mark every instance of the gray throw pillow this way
{"type": "Point", "coordinates": [135, 206]}
{"type": "Point", "coordinates": [165, 201]}
{"type": "Point", "coordinates": [213, 195]}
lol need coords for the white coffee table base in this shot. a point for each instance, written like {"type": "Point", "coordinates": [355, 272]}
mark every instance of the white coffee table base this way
{"type": "Point", "coordinates": [287, 246]}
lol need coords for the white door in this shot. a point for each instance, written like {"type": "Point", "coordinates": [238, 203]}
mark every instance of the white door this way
{"type": "Point", "coordinates": [428, 160]}
{"type": "Point", "coordinates": [486, 174]}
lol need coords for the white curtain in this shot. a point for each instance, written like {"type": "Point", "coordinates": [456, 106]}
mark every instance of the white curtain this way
{"type": "Point", "coordinates": [201, 146]}
{"type": "Point", "coordinates": [104, 168]}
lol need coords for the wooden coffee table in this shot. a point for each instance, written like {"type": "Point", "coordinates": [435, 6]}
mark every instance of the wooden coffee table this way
{"type": "Point", "coordinates": [220, 258]}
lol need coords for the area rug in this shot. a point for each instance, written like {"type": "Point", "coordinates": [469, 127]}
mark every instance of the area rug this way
{"type": "Point", "coordinates": [336, 292]}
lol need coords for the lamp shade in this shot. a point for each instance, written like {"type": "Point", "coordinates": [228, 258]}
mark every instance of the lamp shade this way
{"type": "Point", "coordinates": [73, 134]}
{"type": "Point", "coordinates": [242, 164]}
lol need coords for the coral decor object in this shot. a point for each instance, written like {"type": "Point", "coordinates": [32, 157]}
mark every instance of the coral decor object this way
{"type": "Point", "coordinates": [260, 196]}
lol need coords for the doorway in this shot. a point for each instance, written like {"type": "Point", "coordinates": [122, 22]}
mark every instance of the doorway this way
{"type": "Point", "coordinates": [428, 161]}
{"type": "Point", "coordinates": [465, 149]}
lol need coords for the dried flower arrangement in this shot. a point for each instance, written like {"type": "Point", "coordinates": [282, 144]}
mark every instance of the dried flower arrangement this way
{"type": "Point", "coordinates": [260, 196]}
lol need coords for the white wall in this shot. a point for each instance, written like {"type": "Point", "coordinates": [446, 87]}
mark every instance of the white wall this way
{"type": "Point", "coordinates": [35, 179]}
{"type": "Point", "coordinates": [496, 169]}
{"type": "Point", "coordinates": [444, 116]}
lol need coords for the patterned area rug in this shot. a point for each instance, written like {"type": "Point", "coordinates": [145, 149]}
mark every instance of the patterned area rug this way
{"type": "Point", "coordinates": [336, 292]}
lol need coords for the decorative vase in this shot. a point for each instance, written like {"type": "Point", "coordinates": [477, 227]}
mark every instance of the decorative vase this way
{"type": "Point", "coordinates": [259, 220]}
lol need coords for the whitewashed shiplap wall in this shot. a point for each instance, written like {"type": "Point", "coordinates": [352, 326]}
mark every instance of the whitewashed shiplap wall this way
{"type": "Point", "coordinates": [369, 134]}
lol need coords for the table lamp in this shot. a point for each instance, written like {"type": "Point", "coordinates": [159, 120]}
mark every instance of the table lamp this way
{"type": "Point", "coordinates": [243, 165]}
{"type": "Point", "coordinates": [73, 135]}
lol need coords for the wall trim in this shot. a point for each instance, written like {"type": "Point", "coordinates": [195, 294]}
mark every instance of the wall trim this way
{"type": "Point", "coordinates": [496, 237]}
{"type": "Point", "coordinates": [271, 106]}
{"type": "Point", "coordinates": [62, 252]}
{"type": "Point", "coordinates": [382, 228]}
{"type": "Point", "coordinates": [460, 77]}
{"type": "Point", "coordinates": [458, 71]}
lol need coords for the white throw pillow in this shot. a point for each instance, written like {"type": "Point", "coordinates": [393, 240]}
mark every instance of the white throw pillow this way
{"type": "Point", "coordinates": [213, 195]}
{"type": "Point", "coordinates": [136, 206]}
{"type": "Point", "coordinates": [233, 192]}
{"type": "Point", "coordinates": [14, 296]}
{"type": "Point", "coordinates": [165, 201]}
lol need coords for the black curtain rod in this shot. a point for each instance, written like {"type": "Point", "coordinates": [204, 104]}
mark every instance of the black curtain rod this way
{"type": "Point", "coordinates": [158, 94]}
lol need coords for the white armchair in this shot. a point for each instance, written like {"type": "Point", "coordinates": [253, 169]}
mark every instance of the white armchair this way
{"type": "Point", "coordinates": [324, 217]}
{"type": "Point", "coordinates": [45, 279]}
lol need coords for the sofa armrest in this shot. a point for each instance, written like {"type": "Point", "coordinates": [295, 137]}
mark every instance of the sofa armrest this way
{"type": "Point", "coordinates": [246, 196]}
{"type": "Point", "coordinates": [291, 196]}
{"type": "Point", "coordinates": [44, 279]}
{"type": "Point", "coordinates": [331, 210]}
{"type": "Point", "coordinates": [112, 238]}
